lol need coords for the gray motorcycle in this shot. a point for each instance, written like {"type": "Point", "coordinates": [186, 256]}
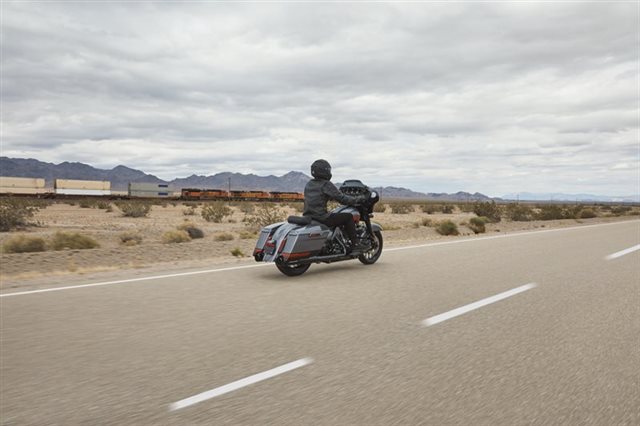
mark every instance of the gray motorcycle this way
{"type": "Point", "coordinates": [300, 241]}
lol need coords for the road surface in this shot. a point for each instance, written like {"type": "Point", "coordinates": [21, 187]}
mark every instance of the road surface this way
{"type": "Point", "coordinates": [530, 328]}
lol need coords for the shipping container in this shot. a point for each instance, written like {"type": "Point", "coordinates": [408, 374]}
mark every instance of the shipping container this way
{"type": "Point", "coordinates": [21, 182]}
{"type": "Point", "coordinates": [150, 194]}
{"type": "Point", "coordinates": [96, 185]}
{"type": "Point", "coordinates": [144, 186]}
{"type": "Point", "coordinates": [72, 191]}
{"type": "Point", "coordinates": [25, 191]}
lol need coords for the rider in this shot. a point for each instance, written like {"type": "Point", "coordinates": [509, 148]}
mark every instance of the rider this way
{"type": "Point", "coordinates": [318, 192]}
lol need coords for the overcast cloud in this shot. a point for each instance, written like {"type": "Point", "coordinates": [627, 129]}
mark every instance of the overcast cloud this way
{"type": "Point", "coordinates": [490, 97]}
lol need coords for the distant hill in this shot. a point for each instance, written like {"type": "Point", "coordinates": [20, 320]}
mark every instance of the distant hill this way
{"type": "Point", "coordinates": [120, 177]}
{"type": "Point", "coordinates": [556, 196]}
{"type": "Point", "coordinates": [394, 192]}
{"type": "Point", "coordinates": [292, 181]}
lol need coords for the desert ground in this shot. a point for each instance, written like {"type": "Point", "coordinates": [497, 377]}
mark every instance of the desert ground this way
{"type": "Point", "coordinates": [230, 241]}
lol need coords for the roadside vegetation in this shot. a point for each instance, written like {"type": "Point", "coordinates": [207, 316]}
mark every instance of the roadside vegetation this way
{"type": "Point", "coordinates": [134, 208]}
{"type": "Point", "coordinates": [215, 212]}
{"type": "Point", "coordinates": [16, 213]}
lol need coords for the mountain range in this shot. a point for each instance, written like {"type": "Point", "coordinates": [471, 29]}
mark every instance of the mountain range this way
{"type": "Point", "coordinates": [120, 177]}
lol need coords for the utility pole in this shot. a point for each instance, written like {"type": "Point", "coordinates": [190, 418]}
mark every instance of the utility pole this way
{"type": "Point", "coordinates": [229, 189]}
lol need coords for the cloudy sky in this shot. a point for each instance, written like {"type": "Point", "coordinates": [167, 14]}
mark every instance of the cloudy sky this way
{"type": "Point", "coordinates": [489, 97]}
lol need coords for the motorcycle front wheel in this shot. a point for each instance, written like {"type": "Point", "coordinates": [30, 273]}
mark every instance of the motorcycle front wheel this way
{"type": "Point", "coordinates": [292, 271]}
{"type": "Point", "coordinates": [370, 257]}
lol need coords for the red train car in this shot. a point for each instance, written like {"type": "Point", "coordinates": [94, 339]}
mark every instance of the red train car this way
{"type": "Point", "coordinates": [287, 196]}
{"type": "Point", "coordinates": [204, 194]}
{"type": "Point", "coordinates": [250, 195]}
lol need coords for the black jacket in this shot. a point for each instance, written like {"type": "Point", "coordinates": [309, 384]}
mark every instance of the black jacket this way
{"type": "Point", "coordinates": [316, 195]}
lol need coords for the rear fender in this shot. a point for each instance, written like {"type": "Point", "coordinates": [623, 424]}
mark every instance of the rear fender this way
{"type": "Point", "coordinates": [376, 227]}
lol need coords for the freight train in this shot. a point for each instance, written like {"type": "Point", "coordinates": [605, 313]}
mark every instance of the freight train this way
{"type": "Point", "coordinates": [136, 190]}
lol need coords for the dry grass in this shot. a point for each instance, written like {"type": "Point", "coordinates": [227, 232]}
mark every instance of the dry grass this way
{"type": "Point", "coordinates": [175, 237]}
{"type": "Point", "coordinates": [130, 238]}
{"type": "Point", "coordinates": [24, 244]}
{"type": "Point", "coordinates": [225, 236]}
{"type": "Point", "coordinates": [237, 252]}
{"type": "Point", "coordinates": [72, 241]}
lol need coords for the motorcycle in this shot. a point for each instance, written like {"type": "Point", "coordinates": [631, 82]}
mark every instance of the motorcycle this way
{"type": "Point", "coordinates": [300, 241]}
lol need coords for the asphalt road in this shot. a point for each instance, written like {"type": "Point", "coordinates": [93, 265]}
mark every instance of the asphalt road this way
{"type": "Point", "coordinates": [345, 343]}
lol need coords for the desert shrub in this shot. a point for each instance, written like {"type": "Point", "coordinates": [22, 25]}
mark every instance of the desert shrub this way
{"type": "Point", "coordinates": [620, 210]}
{"type": "Point", "coordinates": [587, 214]}
{"type": "Point", "coordinates": [130, 238]}
{"type": "Point", "coordinates": [572, 212]}
{"type": "Point", "coordinates": [634, 213]}
{"type": "Point", "coordinates": [415, 225]}
{"type": "Point", "coordinates": [24, 244]}
{"type": "Point", "coordinates": [237, 252]}
{"type": "Point", "coordinates": [189, 211]}
{"type": "Point", "coordinates": [134, 208]}
{"type": "Point", "coordinates": [519, 212]}
{"type": "Point", "coordinates": [477, 224]}
{"type": "Point", "coordinates": [248, 235]}
{"type": "Point", "coordinates": [426, 221]}
{"type": "Point", "coordinates": [266, 214]}
{"type": "Point", "coordinates": [555, 211]}
{"type": "Point", "coordinates": [86, 203]}
{"type": "Point", "coordinates": [490, 210]}
{"type": "Point", "coordinates": [192, 230]}
{"type": "Point", "coordinates": [175, 236]}
{"type": "Point", "coordinates": [447, 209]}
{"type": "Point", "coordinates": [247, 207]}
{"type": "Point", "coordinates": [401, 208]}
{"type": "Point", "coordinates": [379, 208]}
{"type": "Point", "coordinates": [298, 207]}
{"type": "Point", "coordinates": [15, 213]}
{"type": "Point", "coordinates": [225, 236]}
{"type": "Point", "coordinates": [215, 212]}
{"type": "Point", "coordinates": [102, 205]}
{"type": "Point", "coordinates": [447, 227]}
{"type": "Point", "coordinates": [429, 208]}
{"type": "Point", "coordinates": [72, 241]}
{"type": "Point", "coordinates": [466, 207]}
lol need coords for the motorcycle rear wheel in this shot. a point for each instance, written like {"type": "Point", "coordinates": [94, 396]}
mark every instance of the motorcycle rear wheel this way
{"type": "Point", "coordinates": [370, 257]}
{"type": "Point", "coordinates": [292, 271]}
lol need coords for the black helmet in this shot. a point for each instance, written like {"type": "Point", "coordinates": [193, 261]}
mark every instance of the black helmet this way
{"type": "Point", "coordinates": [321, 169]}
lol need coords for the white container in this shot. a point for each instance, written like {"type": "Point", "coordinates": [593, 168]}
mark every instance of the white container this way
{"type": "Point", "coordinates": [26, 191]}
{"type": "Point", "coordinates": [153, 187]}
{"type": "Point", "coordinates": [97, 185]}
{"type": "Point", "coordinates": [21, 182]}
{"type": "Point", "coordinates": [72, 191]}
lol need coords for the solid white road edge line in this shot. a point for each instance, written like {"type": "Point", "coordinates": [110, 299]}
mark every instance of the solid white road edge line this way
{"type": "Point", "coordinates": [623, 252]}
{"type": "Point", "coordinates": [130, 280]}
{"type": "Point", "coordinates": [239, 384]}
{"type": "Point", "coordinates": [472, 306]}
{"type": "Point", "coordinates": [207, 271]}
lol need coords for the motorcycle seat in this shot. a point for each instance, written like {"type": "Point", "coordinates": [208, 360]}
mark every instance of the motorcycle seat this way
{"type": "Point", "coordinates": [299, 220]}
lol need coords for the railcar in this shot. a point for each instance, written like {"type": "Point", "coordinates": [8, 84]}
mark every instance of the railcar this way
{"type": "Point", "coordinates": [286, 196]}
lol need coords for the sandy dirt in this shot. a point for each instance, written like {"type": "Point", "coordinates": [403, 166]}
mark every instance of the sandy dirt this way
{"type": "Point", "coordinates": [152, 254]}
